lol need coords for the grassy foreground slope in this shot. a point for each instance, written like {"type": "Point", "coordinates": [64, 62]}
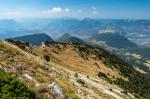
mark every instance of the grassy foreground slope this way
{"type": "Point", "coordinates": [32, 70]}
{"type": "Point", "coordinates": [81, 71]}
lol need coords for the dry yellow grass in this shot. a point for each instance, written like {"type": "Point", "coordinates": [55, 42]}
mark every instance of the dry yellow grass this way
{"type": "Point", "coordinates": [69, 57]}
{"type": "Point", "coordinates": [20, 63]}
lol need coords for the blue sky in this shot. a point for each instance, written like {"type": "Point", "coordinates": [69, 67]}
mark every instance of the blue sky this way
{"type": "Point", "coordinates": [114, 9]}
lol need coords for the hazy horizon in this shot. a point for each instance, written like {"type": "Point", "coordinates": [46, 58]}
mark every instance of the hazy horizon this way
{"type": "Point", "coordinates": [103, 9]}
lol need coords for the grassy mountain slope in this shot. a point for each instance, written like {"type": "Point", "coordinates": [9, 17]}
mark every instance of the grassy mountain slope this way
{"type": "Point", "coordinates": [92, 61]}
{"type": "Point", "coordinates": [29, 69]}
{"type": "Point", "coordinates": [81, 71]}
{"type": "Point", "coordinates": [37, 73]}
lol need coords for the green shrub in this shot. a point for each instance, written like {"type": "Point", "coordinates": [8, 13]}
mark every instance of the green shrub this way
{"type": "Point", "coordinates": [104, 76]}
{"type": "Point", "coordinates": [76, 75]}
{"type": "Point", "coordinates": [82, 82]}
{"type": "Point", "coordinates": [46, 57]}
{"type": "Point", "coordinates": [10, 88]}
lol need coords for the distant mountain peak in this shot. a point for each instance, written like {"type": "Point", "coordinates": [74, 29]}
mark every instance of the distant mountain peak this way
{"type": "Point", "coordinates": [67, 38]}
{"type": "Point", "coordinates": [35, 39]}
{"type": "Point", "coordinates": [113, 39]}
{"type": "Point", "coordinates": [66, 35]}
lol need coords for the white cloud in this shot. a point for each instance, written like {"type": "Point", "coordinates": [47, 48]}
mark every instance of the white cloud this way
{"type": "Point", "coordinates": [67, 10]}
{"type": "Point", "coordinates": [56, 12]}
{"type": "Point", "coordinates": [56, 9]}
{"type": "Point", "coordinates": [53, 10]}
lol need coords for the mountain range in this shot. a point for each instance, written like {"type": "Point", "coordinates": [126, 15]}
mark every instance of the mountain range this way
{"type": "Point", "coordinates": [135, 30]}
{"type": "Point", "coordinates": [110, 40]}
